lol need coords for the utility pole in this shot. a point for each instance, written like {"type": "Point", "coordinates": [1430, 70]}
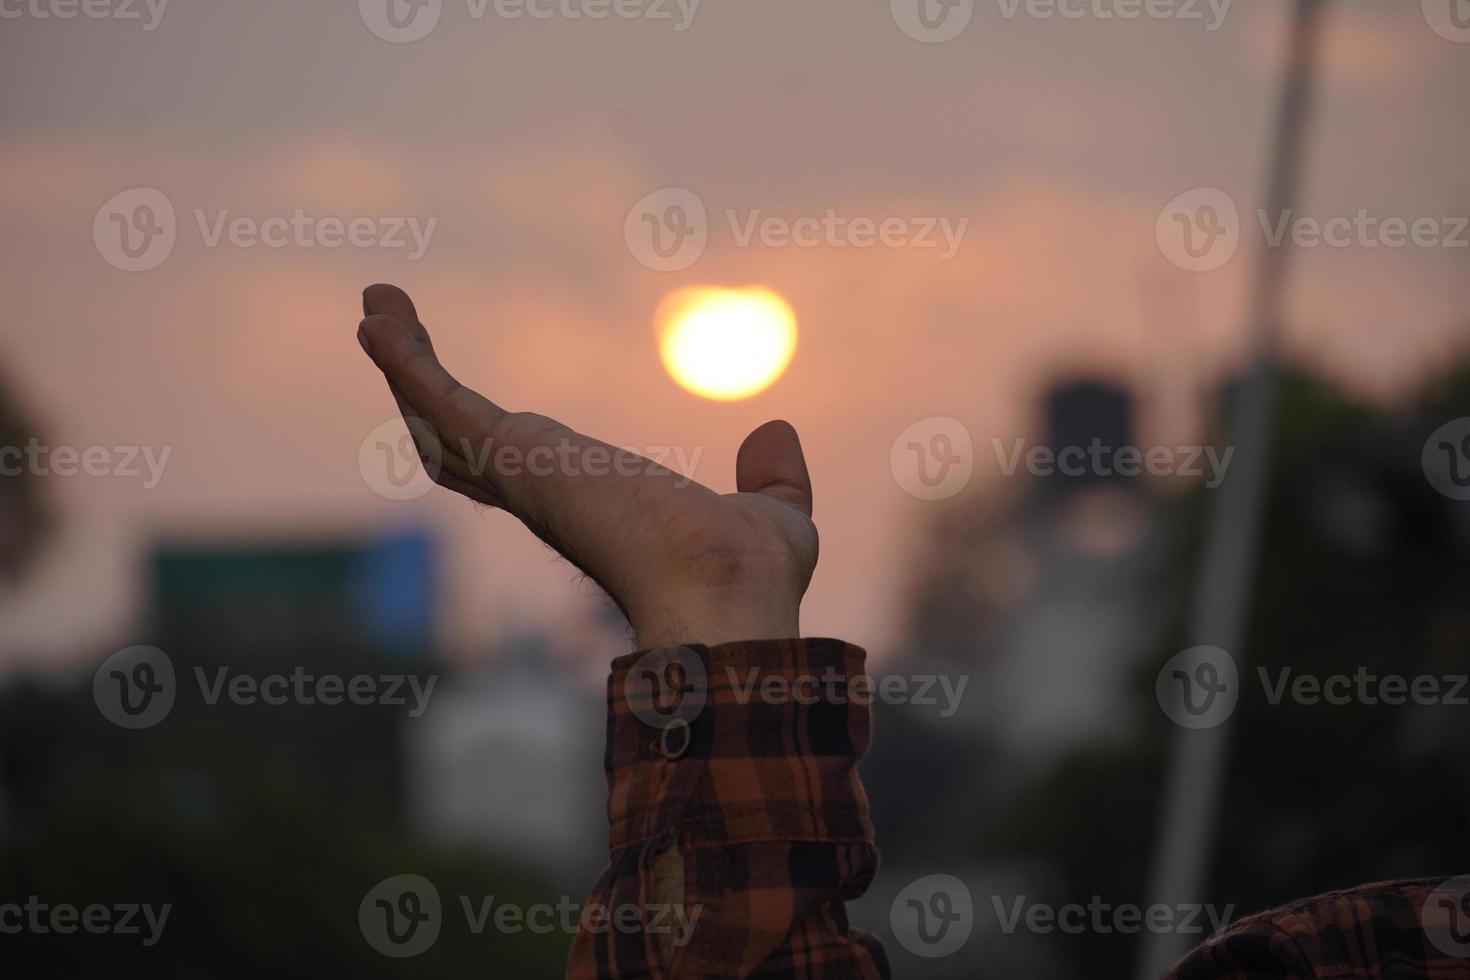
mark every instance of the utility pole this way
{"type": "Point", "coordinates": [1220, 607]}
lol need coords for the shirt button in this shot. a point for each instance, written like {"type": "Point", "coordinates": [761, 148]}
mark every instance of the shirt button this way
{"type": "Point", "coordinates": [674, 741]}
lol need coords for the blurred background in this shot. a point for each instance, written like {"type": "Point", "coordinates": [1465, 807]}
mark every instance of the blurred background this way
{"type": "Point", "coordinates": [207, 465]}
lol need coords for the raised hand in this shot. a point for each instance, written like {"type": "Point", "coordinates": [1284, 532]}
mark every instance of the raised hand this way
{"type": "Point", "coordinates": [685, 564]}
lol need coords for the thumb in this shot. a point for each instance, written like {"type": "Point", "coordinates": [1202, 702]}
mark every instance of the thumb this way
{"type": "Point", "coordinates": [770, 462]}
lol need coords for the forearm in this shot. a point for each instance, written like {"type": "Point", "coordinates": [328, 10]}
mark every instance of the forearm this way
{"type": "Point", "coordinates": [739, 826]}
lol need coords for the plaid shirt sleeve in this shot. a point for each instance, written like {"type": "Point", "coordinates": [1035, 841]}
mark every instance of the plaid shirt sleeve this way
{"type": "Point", "coordinates": [1391, 929]}
{"type": "Point", "coordinates": [739, 826]}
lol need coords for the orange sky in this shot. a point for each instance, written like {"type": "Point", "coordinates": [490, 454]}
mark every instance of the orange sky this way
{"type": "Point", "coordinates": [1058, 140]}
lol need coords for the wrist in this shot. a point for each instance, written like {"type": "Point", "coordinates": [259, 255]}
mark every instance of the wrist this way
{"type": "Point", "coordinates": [714, 618]}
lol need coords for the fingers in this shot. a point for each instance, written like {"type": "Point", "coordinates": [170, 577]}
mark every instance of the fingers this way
{"type": "Point", "coordinates": [457, 414]}
{"type": "Point", "coordinates": [391, 303]}
{"type": "Point", "coordinates": [771, 462]}
{"type": "Point", "coordinates": [591, 501]}
{"type": "Point", "coordinates": [472, 432]}
{"type": "Point", "coordinates": [394, 302]}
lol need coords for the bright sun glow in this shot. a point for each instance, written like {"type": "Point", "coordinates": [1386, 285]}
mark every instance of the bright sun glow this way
{"type": "Point", "coordinates": [726, 344]}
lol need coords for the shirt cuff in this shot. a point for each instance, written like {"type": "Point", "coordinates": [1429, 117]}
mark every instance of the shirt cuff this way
{"type": "Point", "coordinates": [741, 742]}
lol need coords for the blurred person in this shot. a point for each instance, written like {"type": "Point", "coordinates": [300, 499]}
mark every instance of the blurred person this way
{"type": "Point", "coordinates": [751, 816]}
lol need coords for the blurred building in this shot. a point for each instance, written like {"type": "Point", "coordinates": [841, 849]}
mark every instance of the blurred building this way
{"type": "Point", "coordinates": [505, 761]}
{"type": "Point", "coordinates": [1091, 549]}
{"type": "Point", "coordinates": [378, 592]}
{"type": "Point", "coordinates": [509, 762]}
{"type": "Point", "coordinates": [1046, 600]}
{"type": "Point", "coordinates": [1044, 591]}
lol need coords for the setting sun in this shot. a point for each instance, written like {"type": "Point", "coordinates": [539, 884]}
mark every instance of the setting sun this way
{"type": "Point", "coordinates": [726, 344]}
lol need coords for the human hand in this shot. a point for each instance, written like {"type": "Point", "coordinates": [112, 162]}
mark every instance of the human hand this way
{"type": "Point", "coordinates": [685, 564]}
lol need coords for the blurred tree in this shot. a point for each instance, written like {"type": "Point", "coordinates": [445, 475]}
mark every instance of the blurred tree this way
{"type": "Point", "coordinates": [25, 517]}
{"type": "Point", "coordinates": [1364, 570]}
{"type": "Point", "coordinates": [263, 828]}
